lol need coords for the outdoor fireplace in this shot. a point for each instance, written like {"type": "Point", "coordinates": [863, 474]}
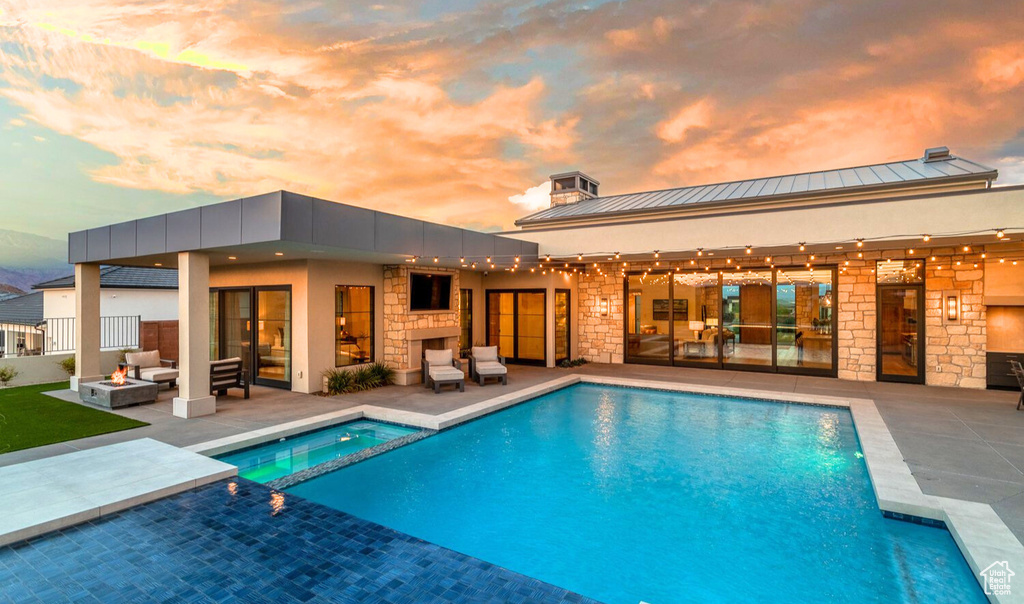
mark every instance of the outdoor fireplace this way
{"type": "Point", "coordinates": [119, 391]}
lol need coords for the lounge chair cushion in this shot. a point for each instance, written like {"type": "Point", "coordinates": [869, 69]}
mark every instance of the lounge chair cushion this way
{"type": "Point", "coordinates": [149, 358]}
{"type": "Point", "coordinates": [490, 368]}
{"type": "Point", "coordinates": [485, 353]}
{"type": "Point", "coordinates": [438, 358]}
{"type": "Point", "coordinates": [445, 374]}
{"type": "Point", "coordinates": [158, 374]}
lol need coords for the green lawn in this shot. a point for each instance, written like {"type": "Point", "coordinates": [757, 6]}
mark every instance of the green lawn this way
{"type": "Point", "coordinates": [29, 418]}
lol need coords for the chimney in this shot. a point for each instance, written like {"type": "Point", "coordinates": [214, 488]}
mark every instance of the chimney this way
{"type": "Point", "coordinates": [572, 187]}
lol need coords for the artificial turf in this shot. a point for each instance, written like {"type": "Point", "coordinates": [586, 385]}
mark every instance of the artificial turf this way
{"type": "Point", "coordinates": [29, 418]}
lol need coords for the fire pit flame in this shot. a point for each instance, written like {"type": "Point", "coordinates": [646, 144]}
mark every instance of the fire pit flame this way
{"type": "Point", "coordinates": [119, 377]}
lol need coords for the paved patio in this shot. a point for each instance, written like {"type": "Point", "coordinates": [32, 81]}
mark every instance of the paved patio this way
{"type": "Point", "coordinates": [962, 444]}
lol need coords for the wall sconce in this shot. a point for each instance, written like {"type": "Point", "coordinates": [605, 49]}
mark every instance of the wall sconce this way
{"type": "Point", "coordinates": [603, 307]}
{"type": "Point", "coordinates": [952, 308]}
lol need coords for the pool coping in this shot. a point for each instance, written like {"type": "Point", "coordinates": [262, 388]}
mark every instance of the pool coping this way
{"type": "Point", "coordinates": [57, 492]}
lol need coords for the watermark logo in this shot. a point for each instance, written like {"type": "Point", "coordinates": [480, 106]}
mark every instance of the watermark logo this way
{"type": "Point", "coordinates": [997, 578]}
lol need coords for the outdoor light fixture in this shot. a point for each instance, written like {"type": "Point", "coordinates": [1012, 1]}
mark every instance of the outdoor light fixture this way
{"type": "Point", "coordinates": [157, 264]}
{"type": "Point", "coordinates": [279, 253]}
{"type": "Point", "coordinates": [603, 306]}
{"type": "Point", "coordinates": [232, 258]}
{"type": "Point", "coordinates": [952, 307]}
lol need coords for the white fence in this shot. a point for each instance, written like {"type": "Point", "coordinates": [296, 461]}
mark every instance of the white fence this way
{"type": "Point", "coordinates": [57, 336]}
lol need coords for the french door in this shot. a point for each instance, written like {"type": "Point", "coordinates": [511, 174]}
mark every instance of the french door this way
{"type": "Point", "coordinates": [517, 324]}
{"type": "Point", "coordinates": [900, 347]}
{"type": "Point", "coordinates": [254, 324]}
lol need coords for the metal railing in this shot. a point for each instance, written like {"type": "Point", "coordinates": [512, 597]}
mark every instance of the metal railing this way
{"type": "Point", "coordinates": [57, 335]}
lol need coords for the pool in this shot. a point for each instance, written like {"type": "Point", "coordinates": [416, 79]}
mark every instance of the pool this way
{"type": "Point", "coordinates": [281, 458]}
{"type": "Point", "coordinates": [626, 495]}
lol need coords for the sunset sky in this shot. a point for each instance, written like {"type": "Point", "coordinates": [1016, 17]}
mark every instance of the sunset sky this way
{"type": "Point", "coordinates": [455, 110]}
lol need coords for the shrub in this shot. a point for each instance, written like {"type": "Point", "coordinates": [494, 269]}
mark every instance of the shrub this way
{"type": "Point", "coordinates": [570, 363]}
{"type": "Point", "coordinates": [367, 377]}
{"type": "Point", "coordinates": [68, 365]}
{"type": "Point", "coordinates": [122, 354]}
{"type": "Point", "coordinates": [7, 374]}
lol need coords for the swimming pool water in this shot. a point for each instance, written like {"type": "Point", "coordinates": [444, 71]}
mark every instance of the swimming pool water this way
{"type": "Point", "coordinates": [281, 458]}
{"type": "Point", "coordinates": [626, 495]}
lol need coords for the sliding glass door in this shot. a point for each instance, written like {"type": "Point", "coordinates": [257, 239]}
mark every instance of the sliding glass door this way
{"type": "Point", "coordinates": [516, 324]}
{"type": "Point", "coordinates": [779, 320]}
{"type": "Point", "coordinates": [254, 324]}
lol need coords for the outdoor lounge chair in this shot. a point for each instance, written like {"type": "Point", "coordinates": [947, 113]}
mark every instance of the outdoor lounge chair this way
{"type": "Point", "coordinates": [228, 373]}
{"type": "Point", "coordinates": [440, 367]}
{"type": "Point", "coordinates": [1019, 372]}
{"type": "Point", "coordinates": [485, 362]}
{"type": "Point", "coordinates": [149, 367]}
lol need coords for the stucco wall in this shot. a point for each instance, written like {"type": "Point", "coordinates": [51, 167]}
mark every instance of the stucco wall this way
{"type": "Point", "coordinates": [150, 304]}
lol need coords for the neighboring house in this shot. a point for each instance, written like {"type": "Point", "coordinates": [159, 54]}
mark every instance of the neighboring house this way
{"type": "Point", "coordinates": [891, 272]}
{"type": "Point", "coordinates": [148, 293]}
{"type": "Point", "coordinates": [20, 318]}
{"type": "Point", "coordinates": [43, 322]}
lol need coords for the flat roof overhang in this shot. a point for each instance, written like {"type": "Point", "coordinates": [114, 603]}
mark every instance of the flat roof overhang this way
{"type": "Point", "coordinates": [288, 226]}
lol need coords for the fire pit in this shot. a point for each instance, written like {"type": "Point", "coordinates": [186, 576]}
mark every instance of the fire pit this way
{"type": "Point", "coordinates": [119, 391]}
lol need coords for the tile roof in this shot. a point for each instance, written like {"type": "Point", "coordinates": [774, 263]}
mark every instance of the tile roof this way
{"type": "Point", "coordinates": [825, 182]}
{"type": "Point", "coordinates": [125, 277]}
{"type": "Point", "coordinates": [22, 310]}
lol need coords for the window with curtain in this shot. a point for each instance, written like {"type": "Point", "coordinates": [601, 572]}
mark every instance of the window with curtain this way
{"type": "Point", "coordinates": [353, 325]}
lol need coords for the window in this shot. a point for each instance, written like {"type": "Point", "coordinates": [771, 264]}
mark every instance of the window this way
{"type": "Point", "coordinates": [353, 325]}
{"type": "Point", "coordinates": [465, 319]}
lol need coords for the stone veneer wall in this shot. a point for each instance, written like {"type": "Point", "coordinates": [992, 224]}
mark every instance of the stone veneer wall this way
{"type": "Point", "coordinates": [398, 320]}
{"type": "Point", "coordinates": [954, 354]}
{"type": "Point", "coordinates": [599, 339]}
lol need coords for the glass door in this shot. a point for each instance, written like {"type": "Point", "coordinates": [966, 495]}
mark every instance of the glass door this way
{"type": "Point", "coordinates": [648, 318]}
{"type": "Point", "coordinates": [236, 326]}
{"type": "Point", "coordinates": [900, 329]}
{"type": "Point", "coordinates": [696, 314]}
{"type": "Point", "coordinates": [562, 325]}
{"type": "Point", "coordinates": [804, 337]}
{"type": "Point", "coordinates": [273, 336]}
{"type": "Point", "coordinates": [747, 317]}
{"type": "Point", "coordinates": [516, 324]}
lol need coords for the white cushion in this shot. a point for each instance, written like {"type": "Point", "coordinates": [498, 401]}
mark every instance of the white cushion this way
{"type": "Point", "coordinates": [442, 374]}
{"type": "Point", "coordinates": [490, 368]}
{"type": "Point", "coordinates": [438, 357]}
{"type": "Point", "coordinates": [149, 358]}
{"type": "Point", "coordinates": [158, 374]}
{"type": "Point", "coordinates": [485, 353]}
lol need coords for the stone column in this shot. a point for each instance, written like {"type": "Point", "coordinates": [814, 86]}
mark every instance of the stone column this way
{"type": "Point", "coordinates": [87, 325]}
{"type": "Point", "coordinates": [194, 397]}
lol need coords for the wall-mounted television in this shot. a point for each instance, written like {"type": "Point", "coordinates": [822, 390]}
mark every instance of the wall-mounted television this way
{"type": "Point", "coordinates": [430, 292]}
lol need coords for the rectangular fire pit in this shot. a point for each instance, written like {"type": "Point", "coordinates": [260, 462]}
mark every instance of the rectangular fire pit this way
{"type": "Point", "coordinates": [114, 396]}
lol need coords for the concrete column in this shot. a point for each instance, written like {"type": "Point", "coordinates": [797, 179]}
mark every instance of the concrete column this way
{"type": "Point", "coordinates": [194, 397]}
{"type": "Point", "coordinates": [87, 325]}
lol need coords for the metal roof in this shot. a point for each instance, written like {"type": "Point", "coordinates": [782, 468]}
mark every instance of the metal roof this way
{"type": "Point", "coordinates": [123, 277]}
{"type": "Point", "coordinates": [23, 310]}
{"type": "Point", "coordinates": [896, 174]}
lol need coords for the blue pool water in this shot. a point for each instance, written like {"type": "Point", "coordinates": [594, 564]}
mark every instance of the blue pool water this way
{"type": "Point", "coordinates": [626, 495]}
{"type": "Point", "coordinates": [287, 456]}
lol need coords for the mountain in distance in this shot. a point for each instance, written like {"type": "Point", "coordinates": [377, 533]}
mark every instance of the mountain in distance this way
{"type": "Point", "coordinates": [27, 259]}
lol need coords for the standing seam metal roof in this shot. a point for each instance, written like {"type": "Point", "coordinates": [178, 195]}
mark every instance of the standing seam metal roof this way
{"type": "Point", "coordinates": [825, 181]}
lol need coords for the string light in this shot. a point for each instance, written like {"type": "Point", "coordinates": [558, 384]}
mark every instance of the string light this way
{"type": "Point", "coordinates": [802, 246]}
{"type": "Point", "coordinates": [488, 260]}
{"type": "Point", "coordinates": [1000, 234]}
{"type": "Point", "coordinates": [657, 254]}
{"type": "Point", "coordinates": [616, 255]}
{"type": "Point", "coordinates": [749, 251]}
{"type": "Point", "coordinates": [860, 243]}
{"type": "Point", "coordinates": [700, 251]}
{"type": "Point", "coordinates": [967, 248]}
{"type": "Point", "coordinates": [926, 238]}
{"type": "Point", "coordinates": [435, 259]}
{"type": "Point", "coordinates": [517, 259]}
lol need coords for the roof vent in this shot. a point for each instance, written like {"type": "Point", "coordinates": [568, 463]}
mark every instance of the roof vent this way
{"type": "Point", "coordinates": [572, 187]}
{"type": "Point", "coordinates": [936, 154]}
